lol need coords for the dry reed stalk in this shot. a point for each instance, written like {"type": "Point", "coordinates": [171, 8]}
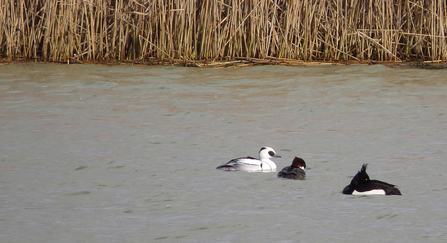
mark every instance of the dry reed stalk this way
{"type": "Point", "coordinates": [191, 30]}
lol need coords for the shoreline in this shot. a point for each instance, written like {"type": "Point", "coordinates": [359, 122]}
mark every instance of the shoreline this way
{"type": "Point", "coordinates": [237, 62]}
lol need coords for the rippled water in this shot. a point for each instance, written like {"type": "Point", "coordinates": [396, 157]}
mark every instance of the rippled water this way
{"type": "Point", "coordinates": [93, 153]}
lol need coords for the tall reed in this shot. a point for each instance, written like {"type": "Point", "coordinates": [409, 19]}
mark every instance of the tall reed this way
{"type": "Point", "coordinates": [188, 30]}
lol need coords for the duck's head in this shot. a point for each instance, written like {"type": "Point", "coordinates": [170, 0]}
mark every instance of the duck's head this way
{"type": "Point", "coordinates": [299, 162]}
{"type": "Point", "coordinates": [361, 176]}
{"type": "Point", "coordinates": [267, 153]}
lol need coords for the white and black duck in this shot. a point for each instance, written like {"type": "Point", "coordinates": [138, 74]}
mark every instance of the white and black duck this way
{"type": "Point", "coordinates": [263, 164]}
{"type": "Point", "coordinates": [362, 185]}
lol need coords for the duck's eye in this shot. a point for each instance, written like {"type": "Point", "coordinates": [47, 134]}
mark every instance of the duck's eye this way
{"type": "Point", "coordinates": [271, 153]}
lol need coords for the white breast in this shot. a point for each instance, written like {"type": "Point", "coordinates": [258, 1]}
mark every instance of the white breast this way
{"type": "Point", "coordinates": [372, 192]}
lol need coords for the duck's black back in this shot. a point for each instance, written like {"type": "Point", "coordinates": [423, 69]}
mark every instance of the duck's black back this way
{"type": "Point", "coordinates": [291, 172]}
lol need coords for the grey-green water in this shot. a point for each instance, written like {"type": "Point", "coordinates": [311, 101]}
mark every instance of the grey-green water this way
{"type": "Point", "coordinates": [92, 153]}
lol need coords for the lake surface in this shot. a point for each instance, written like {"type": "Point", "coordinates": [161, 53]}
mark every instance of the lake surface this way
{"type": "Point", "coordinates": [93, 153]}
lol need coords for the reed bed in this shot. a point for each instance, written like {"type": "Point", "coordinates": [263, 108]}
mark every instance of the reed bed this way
{"type": "Point", "coordinates": [222, 30]}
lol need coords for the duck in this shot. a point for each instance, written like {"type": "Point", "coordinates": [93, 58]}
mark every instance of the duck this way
{"type": "Point", "coordinates": [251, 164]}
{"type": "Point", "coordinates": [362, 185]}
{"type": "Point", "coordinates": [294, 171]}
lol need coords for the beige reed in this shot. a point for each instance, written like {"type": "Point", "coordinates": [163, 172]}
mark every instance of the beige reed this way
{"type": "Point", "coordinates": [172, 30]}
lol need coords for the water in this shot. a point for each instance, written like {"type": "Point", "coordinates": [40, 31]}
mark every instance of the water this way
{"type": "Point", "coordinates": [93, 153]}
